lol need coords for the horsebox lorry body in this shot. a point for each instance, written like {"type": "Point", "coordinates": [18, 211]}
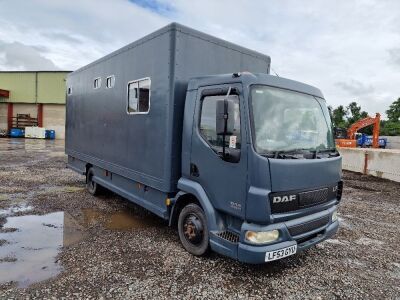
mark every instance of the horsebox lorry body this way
{"type": "Point", "coordinates": [194, 129]}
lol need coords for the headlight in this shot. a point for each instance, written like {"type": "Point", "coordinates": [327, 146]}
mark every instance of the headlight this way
{"type": "Point", "coordinates": [262, 237]}
{"type": "Point", "coordinates": [334, 216]}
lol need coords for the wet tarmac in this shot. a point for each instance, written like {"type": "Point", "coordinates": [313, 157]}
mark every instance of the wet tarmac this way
{"type": "Point", "coordinates": [30, 243]}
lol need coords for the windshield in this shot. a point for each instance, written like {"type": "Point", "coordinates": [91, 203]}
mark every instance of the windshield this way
{"type": "Point", "coordinates": [287, 121]}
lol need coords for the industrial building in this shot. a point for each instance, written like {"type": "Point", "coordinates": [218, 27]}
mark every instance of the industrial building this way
{"type": "Point", "coordinates": [33, 98]}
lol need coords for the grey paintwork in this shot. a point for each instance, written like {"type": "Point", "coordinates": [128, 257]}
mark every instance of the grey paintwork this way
{"type": "Point", "coordinates": [147, 158]}
{"type": "Point", "coordinates": [146, 148]}
{"type": "Point", "coordinates": [262, 175]}
{"type": "Point", "coordinates": [229, 191]}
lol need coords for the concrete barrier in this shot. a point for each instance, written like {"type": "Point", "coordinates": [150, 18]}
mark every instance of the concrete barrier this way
{"type": "Point", "coordinates": [393, 142]}
{"type": "Point", "coordinates": [383, 163]}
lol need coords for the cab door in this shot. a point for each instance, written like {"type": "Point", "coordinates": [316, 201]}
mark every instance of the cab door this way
{"type": "Point", "coordinates": [224, 179]}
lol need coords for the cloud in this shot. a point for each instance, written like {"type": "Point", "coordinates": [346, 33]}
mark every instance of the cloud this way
{"type": "Point", "coordinates": [62, 36]}
{"type": "Point", "coordinates": [394, 56]}
{"type": "Point", "coordinates": [18, 56]}
{"type": "Point", "coordinates": [355, 88]}
{"type": "Point", "coordinates": [347, 48]}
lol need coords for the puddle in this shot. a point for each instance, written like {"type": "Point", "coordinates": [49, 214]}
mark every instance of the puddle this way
{"type": "Point", "coordinates": [73, 189]}
{"type": "Point", "coordinates": [28, 254]}
{"type": "Point", "coordinates": [57, 154]}
{"type": "Point", "coordinates": [127, 221]}
{"type": "Point", "coordinates": [120, 220]}
{"type": "Point", "coordinates": [30, 244]}
{"type": "Point", "coordinates": [14, 209]}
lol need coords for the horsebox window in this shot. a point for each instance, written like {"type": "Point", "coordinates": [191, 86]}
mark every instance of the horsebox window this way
{"type": "Point", "coordinates": [139, 96]}
{"type": "Point", "coordinates": [97, 83]}
{"type": "Point", "coordinates": [110, 81]}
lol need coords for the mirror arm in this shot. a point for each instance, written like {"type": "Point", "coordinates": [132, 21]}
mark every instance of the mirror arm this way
{"type": "Point", "coordinates": [225, 121]}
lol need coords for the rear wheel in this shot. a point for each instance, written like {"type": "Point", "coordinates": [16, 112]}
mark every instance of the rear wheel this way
{"type": "Point", "coordinates": [91, 186]}
{"type": "Point", "coordinates": [193, 230]}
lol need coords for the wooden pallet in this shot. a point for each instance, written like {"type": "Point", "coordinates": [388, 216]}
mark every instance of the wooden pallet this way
{"type": "Point", "coordinates": [24, 120]}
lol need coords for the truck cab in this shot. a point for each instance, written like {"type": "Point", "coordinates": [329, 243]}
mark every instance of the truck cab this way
{"type": "Point", "coordinates": [259, 159]}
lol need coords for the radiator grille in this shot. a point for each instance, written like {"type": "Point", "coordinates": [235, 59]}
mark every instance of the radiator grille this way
{"type": "Point", "coordinates": [309, 226]}
{"type": "Point", "coordinates": [313, 197]}
{"type": "Point", "coordinates": [229, 236]}
{"type": "Point", "coordinates": [303, 198]}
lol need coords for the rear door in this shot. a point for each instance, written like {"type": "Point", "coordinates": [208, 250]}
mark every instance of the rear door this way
{"type": "Point", "coordinates": [225, 182]}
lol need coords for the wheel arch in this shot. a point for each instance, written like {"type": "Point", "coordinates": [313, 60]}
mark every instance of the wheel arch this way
{"type": "Point", "coordinates": [87, 168]}
{"type": "Point", "coordinates": [193, 192]}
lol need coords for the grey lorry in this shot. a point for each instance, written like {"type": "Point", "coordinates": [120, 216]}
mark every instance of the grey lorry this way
{"type": "Point", "coordinates": [194, 129]}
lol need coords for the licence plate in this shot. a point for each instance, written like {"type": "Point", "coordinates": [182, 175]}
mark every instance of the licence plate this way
{"type": "Point", "coordinates": [280, 253]}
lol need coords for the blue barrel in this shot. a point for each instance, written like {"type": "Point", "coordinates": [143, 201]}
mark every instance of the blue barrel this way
{"type": "Point", "coordinates": [16, 132]}
{"type": "Point", "coordinates": [50, 134]}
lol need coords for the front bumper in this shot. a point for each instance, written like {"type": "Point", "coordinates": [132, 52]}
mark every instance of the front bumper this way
{"type": "Point", "coordinates": [255, 254]}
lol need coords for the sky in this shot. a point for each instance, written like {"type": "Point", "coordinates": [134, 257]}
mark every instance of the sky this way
{"type": "Point", "coordinates": [350, 49]}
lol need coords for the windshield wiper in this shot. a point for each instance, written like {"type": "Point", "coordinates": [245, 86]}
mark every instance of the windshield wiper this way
{"type": "Point", "coordinates": [278, 154]}
{"type": "Point", "coordinates": [300, 153]}
{"type": "Point", "coordinates": [293, 154]}
{"type": "Point", "coordinates": [332, 152]}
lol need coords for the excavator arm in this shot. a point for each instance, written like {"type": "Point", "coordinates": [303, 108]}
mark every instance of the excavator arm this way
{"type": "Point", "coordinates": [351, 132]}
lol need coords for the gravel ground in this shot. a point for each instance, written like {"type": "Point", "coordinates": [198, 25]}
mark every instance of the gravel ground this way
{"type": "Point", "coordinates": [113, 249]}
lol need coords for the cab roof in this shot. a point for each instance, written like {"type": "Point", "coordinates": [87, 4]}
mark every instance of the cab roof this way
{"type": "Point", "coordinates": [247, 79]}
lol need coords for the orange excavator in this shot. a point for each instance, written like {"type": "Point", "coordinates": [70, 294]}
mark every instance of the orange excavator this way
{"type": "Point", "coordinates": [351, 142]}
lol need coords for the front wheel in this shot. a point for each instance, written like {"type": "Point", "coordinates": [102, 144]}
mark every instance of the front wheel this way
{"type": "Point", "coordinates": [193, 230]}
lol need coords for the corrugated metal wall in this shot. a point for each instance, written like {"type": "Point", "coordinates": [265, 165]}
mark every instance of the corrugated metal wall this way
{"type": "Point", "coordinates": [21, 85]}
{"type": "Point", "coordinates": [51, 88]}
{"type": "Point", "coordinates": [34, 87]}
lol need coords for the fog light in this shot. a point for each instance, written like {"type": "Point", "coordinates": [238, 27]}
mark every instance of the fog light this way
{"type": "Point", "coordinates": [334, 216]}
{"type": "Point", "coordinates": [262, 237]}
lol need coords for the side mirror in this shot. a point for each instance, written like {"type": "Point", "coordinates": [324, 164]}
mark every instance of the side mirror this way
{"type": "Point", "coordinates": [225, 117]}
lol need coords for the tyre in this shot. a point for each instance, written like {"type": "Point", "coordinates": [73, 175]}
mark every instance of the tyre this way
{"type": "Point", "coordinates": [91, 186]}
{"type": "Point", "coordinates": [193, 229]}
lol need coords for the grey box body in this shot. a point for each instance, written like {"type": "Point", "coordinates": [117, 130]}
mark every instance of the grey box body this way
{"type": "Point", "coordinates": [146, 147]}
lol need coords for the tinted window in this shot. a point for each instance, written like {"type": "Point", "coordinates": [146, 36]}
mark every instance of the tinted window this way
{"type": "Point", "coordinates": [286, 120]}
{"type": "Point", "coordinates": [97, 83]}
{"type": "Point", "coordinates": [139, 96]}
{"type": "Point", "coordinates": [208, 126]}
{"type": "Point", "coordinates": [110, 81]}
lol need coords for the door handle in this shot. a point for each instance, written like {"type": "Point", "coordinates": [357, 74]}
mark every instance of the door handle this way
{"type": "Point", "coordinates": [194, 170]}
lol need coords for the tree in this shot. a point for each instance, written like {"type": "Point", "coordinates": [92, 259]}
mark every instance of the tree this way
{"type": "Point", "coordinates": [339, 117]}
{"type": "Point", "coordinates": [390, 128]}
{"type": "Point", "coordinates": [393, 113]}
{"type": "Point", "coordinates": [345, 117]}
{"type": "Point", "coordinates": [354, 113]}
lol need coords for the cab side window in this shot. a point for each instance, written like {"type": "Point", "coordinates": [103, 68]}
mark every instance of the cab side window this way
{"type": "Point", "coordinates": [208, 126]}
